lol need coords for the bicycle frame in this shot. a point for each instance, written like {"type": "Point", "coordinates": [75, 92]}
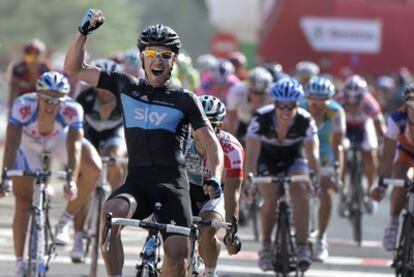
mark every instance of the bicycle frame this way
{"type": "Point", "coordinates": [356, 193]}
{"type": "Point", "coordinates": [150, 254]}
{"type": "Point", "coordinates": [284, 253]}
{"type": "Point", "coordinates": [40, 250]}
{"type": "Point", "coordinates": [195, 259]}
{"type": "Point", "coordinates": [403, 262]}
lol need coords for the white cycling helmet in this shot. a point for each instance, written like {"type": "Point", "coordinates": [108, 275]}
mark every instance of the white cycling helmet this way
{"type": "Point", "coordinates": [53, 81]}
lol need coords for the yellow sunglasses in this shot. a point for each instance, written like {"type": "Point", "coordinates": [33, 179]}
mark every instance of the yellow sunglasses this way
{"type": "Point", "coordinates": [164, 55]}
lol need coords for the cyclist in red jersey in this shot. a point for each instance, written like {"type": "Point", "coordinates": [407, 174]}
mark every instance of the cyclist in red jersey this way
{"type": "Point", "coordinates": [226, 206]}
{"type": "Point", "coordinates": [25, 73]}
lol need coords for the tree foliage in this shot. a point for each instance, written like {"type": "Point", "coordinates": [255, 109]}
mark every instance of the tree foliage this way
{"type": "Point", "coordinates": [56, 21]}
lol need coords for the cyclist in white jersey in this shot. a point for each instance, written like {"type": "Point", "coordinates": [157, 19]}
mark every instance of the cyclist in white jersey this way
{"type": "Point", "coordinates": [220, 208]}
{"type": "Point", "coordinates": [48, 120]}
{"type": "Point", "coordinates": [245, 98]}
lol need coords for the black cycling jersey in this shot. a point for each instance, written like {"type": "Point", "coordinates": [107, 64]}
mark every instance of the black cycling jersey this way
{"type": "Point", "coordinates": [96, 129]}
{"type": "Point", "coordinates": [281, 153]}
{"type": "Point", "coordinates": [156, 120]}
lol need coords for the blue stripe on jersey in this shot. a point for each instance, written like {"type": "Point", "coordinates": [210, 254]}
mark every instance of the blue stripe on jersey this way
{"type": "Point", "coordinates": [149, 116]}
{"type": "Point", "coordinates": [76, 125]}
{"type": "Point", "coordinates": [60, 119]}
{"type": "Point", "coordinates": [400, 118]}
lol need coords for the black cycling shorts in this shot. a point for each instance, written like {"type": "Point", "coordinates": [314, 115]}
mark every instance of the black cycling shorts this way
{"type": "Point", "coordinates": [167, 185]}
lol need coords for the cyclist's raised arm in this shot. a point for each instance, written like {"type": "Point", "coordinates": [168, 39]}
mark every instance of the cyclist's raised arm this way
{"type": "Point", "coordinates": [75, 65]}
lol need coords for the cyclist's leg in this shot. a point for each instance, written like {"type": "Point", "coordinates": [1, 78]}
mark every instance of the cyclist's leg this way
{"type": "Point", "coordinates": [175, 209]}
{"type": "Point", "coordinates": [209, 243]}
{"type": "Point", "coordinates": [115, 147]}
{"type": "Point", "coordinates": [88, 176]}
{"type": "Point", "coordinates": [397, 202]}
{"type": "Point", "coordinates": [23, 191]}
{"type": "Point", "coordinates": [120, 204]}
{"type": "Point", "coordinates": [370, 159]}
{"type": "Point", "coordinates": [325, 198]}
{"type": "Point", "coordinates": [300, 201]}
{"type": "Point", "coordinates": [27, 158]}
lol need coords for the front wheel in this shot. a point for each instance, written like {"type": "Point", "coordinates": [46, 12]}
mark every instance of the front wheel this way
{"type": "Point", "coordinates": [37, 248]}
{"type": "Point", "coordinates": [404, 260]}
{"type": "Point", "coordinates": [98, 202]}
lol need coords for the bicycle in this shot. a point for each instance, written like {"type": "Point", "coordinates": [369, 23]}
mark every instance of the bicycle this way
{"type": "Point", "coordinates": [150, 256]}
{"type": "Point", "coordinates": [403, 262]}
{"type": "Point", "coordinates": [354, 197]}
{"type": "Point", "coordinates": [93, 219]}
{"type": "Point", "coordinates": [41, 240]}
{"type": "Point", "coordinates": [195, 260]}
{"type": "Point", "coordinates": [283, 252]}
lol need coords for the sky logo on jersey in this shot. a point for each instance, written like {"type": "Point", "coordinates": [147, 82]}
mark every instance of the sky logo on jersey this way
{"type": "Point", "coordinates": [149, 116]}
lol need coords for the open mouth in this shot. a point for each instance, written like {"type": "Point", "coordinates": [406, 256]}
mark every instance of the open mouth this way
{"type": "Point", "coordinates": [157, 72]}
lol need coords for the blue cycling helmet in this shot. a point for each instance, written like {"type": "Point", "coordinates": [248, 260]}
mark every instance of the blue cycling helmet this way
{"type": "Point", "coordinates": [53, 81]}
{"type": "Point", "coordinates": [214, 109]}
{"type": "Point", "coordinates": [287, 90]}
{"type": "Point", "coordinates": [319, 88]}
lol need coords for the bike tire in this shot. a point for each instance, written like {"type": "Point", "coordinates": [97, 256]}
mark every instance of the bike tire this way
{"type": "Point", "coordinates": [281, 246]}
{"type": "Point", "coordinates": [34, 263]}
{"type": "Point", "coordinates": [407, 255]}
{"type": "Point", "coordinates": [100, 198]}
{"type": "Point", "coordinates": [145, 271]}
{"type": "Point", "coordinates": [254, 216]}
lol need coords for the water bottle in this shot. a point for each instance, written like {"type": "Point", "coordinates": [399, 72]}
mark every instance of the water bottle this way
{"type": "Point", "coordinates": [150, 246]}
{"type": "Point", "coordinates": [7, 186]}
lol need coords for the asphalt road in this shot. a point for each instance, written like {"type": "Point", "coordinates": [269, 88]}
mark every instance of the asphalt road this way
{"type": "Point", "coordinates": [345, 259]}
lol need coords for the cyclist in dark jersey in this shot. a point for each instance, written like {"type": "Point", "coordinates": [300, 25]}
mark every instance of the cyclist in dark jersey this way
{"type": "Point", "coordinates": [156, 118]}
{"type": "Point", "coordinates": [276, 138]}
{"type": "Point", "coordinates": [103, 122]}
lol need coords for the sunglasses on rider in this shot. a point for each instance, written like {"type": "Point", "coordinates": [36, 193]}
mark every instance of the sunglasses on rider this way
{"type": "Point", "coordinates": [410, 104]}
{"type": "Point", "coordinates": [286, 106]}
{"type": "Point", "coordinates": [164, 55]}
{"type": "Point", "coordinates": [50, 99]}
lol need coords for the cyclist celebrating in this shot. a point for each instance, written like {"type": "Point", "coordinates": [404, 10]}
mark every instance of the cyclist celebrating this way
{"type": "Point", "coordinates": [330, 119]}
{"type": "Point", "coordinates": [103, 122]}
{"type": "Point", "coordinates": [396, 161]}
{"type": "Point", "coordinates": [245, 98]}
{"type": "Point", "coordinates": [201, 204]}
{"type": "Point", "coordinates": [364, 126]}
{"type": "Point", "coordinates": [156, 117]}
{"type": "Point", "coordinates": [47, 120]}
{"type": "Point", "coordinates": [275, 139]}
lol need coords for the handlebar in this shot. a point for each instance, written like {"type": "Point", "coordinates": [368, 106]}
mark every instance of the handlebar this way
{"type": "Point", "coordinates": [398, 182]}
{"type": "Point", "coordinates": [213, 223]}
{"type": "Point", "coordinates": [114, 160]}
{"type": "Point", "coordinates": [37, 174]}
{"type": "Point", "coordinates": [280, 179]}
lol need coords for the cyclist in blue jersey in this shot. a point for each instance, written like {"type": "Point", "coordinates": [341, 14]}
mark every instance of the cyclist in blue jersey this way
{"type": "Point", "coordinates": [330, 120]}
{"type": "Point", "coordinates": [156, 117]}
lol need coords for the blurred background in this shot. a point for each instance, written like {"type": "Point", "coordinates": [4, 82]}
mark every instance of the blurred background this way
{"type": "Point", "coordinates": [371, 38]}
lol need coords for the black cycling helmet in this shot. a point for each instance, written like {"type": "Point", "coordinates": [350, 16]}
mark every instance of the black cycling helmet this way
{"type": "Point", "coordinates": [159, 35]}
